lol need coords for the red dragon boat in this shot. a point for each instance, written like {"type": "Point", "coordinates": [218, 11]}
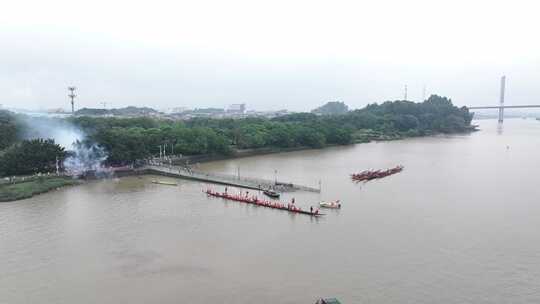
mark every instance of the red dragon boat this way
{"type": "Point", "coordinates": [368, 175]}
{"type": "Point", "coordinates": [258, 202]}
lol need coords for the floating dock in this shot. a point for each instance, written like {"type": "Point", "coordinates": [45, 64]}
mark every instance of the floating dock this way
{"type": "Point", "coordinates": [225, 179]}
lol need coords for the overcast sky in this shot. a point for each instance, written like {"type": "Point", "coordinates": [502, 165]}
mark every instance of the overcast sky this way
{"type": "Point", "coordinates": [268, 54]}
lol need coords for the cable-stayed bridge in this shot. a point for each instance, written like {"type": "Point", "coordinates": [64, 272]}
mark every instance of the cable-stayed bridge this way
{"type": "Point", "coordinates": [501, 105]}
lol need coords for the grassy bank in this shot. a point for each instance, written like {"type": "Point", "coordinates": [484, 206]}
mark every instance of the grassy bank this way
{"type": "Point", "coordinates": [27, 189]}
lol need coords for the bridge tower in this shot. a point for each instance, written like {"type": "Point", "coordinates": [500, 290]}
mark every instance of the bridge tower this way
{"type": "Point", "coordinates": [501, 109]}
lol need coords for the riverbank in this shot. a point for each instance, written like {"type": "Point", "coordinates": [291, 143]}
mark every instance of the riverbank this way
{"type": "Point", "coordinates": [34, 186]}
{"type": "Point", "coordinates": [360, 137]}
{"type": "Point", "coordinates": [26, 187]}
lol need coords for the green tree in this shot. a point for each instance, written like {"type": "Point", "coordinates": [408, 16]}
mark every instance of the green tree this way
{"type": "Point", "coordinates": [332, 108]}
{"type": "Point", "coordinates": [31, 156]}
{"type": "Point", "coordinates": [9, 129]}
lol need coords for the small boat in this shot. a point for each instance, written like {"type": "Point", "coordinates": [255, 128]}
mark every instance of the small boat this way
{"type": "Point", "coordinates": [333, 205]}
{"type": "Point", "coordinates": [164, 183]}
{"type": "Point", "coordinates": [328, 301]}
{"type": "Point", "coordinates": [271, 193]}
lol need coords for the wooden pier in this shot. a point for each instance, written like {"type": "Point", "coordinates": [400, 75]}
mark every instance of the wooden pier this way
{"type": "Point", "coordinates": [225, 179]}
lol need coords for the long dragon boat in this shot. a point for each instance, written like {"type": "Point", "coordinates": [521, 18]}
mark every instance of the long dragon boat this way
{"type": "Point", "coordinates": [368, 175]}
{"type": "Point", "coordinates": [258, 202]}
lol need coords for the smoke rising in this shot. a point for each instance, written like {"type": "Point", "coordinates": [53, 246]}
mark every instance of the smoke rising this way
{"type": "Point", "coordinates": [85, 158]}
{"type": "Point", "coordinates": [83, 155]}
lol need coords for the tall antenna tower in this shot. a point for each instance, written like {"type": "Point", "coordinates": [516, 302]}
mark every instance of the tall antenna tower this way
{"type": "Point", "coordinates": [104, 104]}
{"type": "Point", "coordinates": [501, 109]}
{"type": "Point", "coordinates": [405, 97]}
{"type": "Point", "coordinates": [72, 96]}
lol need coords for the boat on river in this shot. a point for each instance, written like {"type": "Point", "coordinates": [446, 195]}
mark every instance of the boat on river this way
{"type": "Point", "coordinates": [254, 200]}
{"type": "Point", "coordinates": [330, 205]}
{"type": "Point", "coordinates": [328, 301]}
{"type": "Point", "coordinates": [368, 175]}
{"type": "Point", "coordinates": [164, 183]}
{"type": "Point", "coordinates": [271, 193]}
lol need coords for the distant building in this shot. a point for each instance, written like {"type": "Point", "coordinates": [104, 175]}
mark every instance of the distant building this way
{"type": "Point", "coordinates": [55, 111]}
{"type": "Point", "coordinates": [177, 110]}
{"type": "Point", "coordinates": [239, 108]}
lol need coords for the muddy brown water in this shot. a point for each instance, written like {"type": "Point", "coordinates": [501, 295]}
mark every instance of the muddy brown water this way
{"type": "Point", "coordinates": [461, 224]}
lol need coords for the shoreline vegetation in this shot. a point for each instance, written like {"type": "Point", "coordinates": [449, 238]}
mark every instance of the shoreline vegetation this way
{"type": "Point", "coordinates": [127, 140]}
{"type": "Point", "coordinates": [27, 188]}
{"type": "Point", "coordinates": [31, 186]}
{"type": "Point", "coordinates": [204, 158]}
{"type": "Point", "coordinates": [114, 141]}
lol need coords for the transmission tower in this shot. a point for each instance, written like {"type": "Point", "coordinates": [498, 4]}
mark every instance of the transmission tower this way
{"type": "Point", "coordinates": [405, 97]}
{"type": "Point", "coordinates": [501, 100]}
{"type": "Point", "coordinates": [72, 96]}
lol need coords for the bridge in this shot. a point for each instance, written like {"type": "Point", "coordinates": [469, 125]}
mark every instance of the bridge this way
{"type": "Point", "coordinates": [504, 107]}
{"type": "Point", "coordinates": [501, 105]}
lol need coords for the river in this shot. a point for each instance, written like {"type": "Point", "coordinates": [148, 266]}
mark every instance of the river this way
{"type": "Point", "coordinates": [461, 224]}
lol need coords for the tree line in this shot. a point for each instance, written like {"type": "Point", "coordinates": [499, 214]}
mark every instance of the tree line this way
{"type": "Point", "coordinates": [129, 139]}
{"type": "Point", "coordinates": [31, 156]}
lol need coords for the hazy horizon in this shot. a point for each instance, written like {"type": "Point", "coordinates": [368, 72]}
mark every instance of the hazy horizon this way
{"type": "Point", "coordinates": [269, 55]}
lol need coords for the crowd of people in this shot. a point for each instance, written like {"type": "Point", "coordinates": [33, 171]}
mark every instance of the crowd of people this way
{"type": "Point", "coordinates": [253, 199]}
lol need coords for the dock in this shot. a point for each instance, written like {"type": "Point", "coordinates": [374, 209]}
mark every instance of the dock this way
{"type": "Point", "coordinates": [226, 179]}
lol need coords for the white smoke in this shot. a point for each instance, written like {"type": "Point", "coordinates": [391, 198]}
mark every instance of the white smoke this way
{"type": "Point", "coordinates": [85, 158]}
{"type": "Point", "coordinates": [63, 132]}
{"type": "Point", "coordinates": [82, 156]}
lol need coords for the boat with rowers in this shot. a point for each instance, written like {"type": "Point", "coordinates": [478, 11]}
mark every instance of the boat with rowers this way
{"type": "Point", "coordinates": [330, 205]}
{"type": "Point", "coordinates": [258, 202]}
{"type": "Point", "coordinates": [368, 175]}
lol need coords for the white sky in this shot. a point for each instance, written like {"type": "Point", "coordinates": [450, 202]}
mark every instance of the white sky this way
{"type": "Point", "coordinates": [268, 54]}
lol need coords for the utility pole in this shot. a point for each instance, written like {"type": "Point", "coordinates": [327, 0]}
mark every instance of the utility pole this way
{"type": "Point", "coordinates": [104, 105]}
{"type": "Point", "coordinates": [405, 97]}
{"type": "Point", "coordinates": [501, 109]}
{"type": "Point", "coordinates": [159, 151]}
{"type": "Point", "coordinates": [72, 96]}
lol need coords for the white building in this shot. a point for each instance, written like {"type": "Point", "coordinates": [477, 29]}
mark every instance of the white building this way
{"type": "Point", "coordinates": [176, 110]}
{"type": "Point", "coordinates": [237, 108]}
